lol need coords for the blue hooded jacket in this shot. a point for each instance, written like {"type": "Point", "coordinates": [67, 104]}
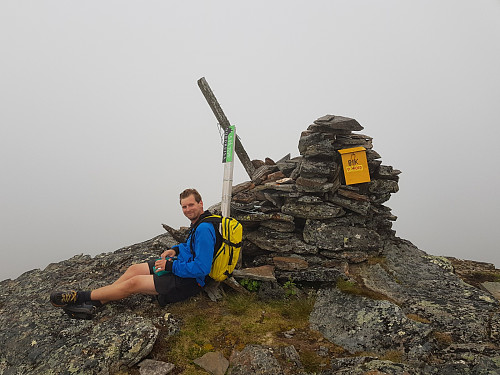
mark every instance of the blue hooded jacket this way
{"type": "Point", "coordinates": [198, 265]}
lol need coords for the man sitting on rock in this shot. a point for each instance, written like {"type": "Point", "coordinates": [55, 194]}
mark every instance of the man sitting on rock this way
{"type": "Point", "coordinates": [177, 275]}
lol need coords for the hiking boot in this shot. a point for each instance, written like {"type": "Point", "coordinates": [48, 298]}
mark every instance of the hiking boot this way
{"type": "Point", "coordinates": [84, 310]}
{"type": "Point", "coordinates": [61, 299]}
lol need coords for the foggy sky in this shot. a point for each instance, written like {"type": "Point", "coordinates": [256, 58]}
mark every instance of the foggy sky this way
{"type": "Point", "coordinates": [102, 123]}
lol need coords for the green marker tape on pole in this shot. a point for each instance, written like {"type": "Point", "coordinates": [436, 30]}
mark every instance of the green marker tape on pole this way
{"type": "Point", "coordinates": [229, 139]}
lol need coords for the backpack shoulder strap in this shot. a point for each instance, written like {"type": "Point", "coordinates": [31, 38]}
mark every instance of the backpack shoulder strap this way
{"type": "Point", "coordinates": [207, 216]}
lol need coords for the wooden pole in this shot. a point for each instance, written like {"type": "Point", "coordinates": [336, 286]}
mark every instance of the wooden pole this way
{"type": "Point", "coordinates": [224, 123]}
{"type": "Point", "coordinates": [228, 160]}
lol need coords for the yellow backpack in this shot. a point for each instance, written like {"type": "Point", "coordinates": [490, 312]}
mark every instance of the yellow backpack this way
{"type": "Point", "coordinates": [229, 233]}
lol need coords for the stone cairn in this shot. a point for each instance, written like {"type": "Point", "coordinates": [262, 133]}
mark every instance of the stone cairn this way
{"type": "Point", "coordinates": [300, 217]}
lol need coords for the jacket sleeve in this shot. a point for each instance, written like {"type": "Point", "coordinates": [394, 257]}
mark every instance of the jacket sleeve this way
{"type": "Point", "coordinates": [203, 247]}
{"type": "Point", "coordinates": [176, 249]}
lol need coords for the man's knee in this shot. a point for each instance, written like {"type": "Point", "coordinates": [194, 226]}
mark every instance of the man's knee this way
{"type": "Point", "coordinates": [131, 284]}
{"type": "Point", "coordinates": [139, 269]}
{"type": "Point", "coordinates": [139, 284]}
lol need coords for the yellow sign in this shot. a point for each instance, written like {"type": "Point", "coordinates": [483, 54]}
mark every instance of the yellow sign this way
{"type": "Point", "coordinates": [355, 165]}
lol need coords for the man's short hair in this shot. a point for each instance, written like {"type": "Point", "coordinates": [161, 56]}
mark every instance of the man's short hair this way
{"type": "Point", "coordinates": [188, 192]}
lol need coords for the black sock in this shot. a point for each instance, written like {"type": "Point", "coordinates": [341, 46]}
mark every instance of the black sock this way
{"type": "Point", "coordinates": [83, 296]}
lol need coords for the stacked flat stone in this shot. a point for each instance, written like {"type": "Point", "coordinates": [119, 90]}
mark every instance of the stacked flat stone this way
{"type": "Point", "coordinates": [301, 217]}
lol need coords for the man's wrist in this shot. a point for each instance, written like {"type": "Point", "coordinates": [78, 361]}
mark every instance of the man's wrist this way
{"type": "Point", "coordinates": [168, 266]}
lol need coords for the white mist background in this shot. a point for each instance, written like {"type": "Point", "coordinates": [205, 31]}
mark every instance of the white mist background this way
{"type": "Point", "coordinates": [102, 123]}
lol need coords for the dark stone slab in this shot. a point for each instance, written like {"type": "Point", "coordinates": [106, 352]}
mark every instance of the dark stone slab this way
{"type": "Point", "coordinates": [314, 185]}
{"type": "Point", "coordinates": [361, 207]}
{"type": "Point", "coordinates": [315, 169]}
{"type": "Point", "coordinates": [331, 237]}
{"type": "Point", "coordinates": [262, 273]}
{"type": "Point", "coordinates": [311, 274]}
{"type": "Point", "coordinates": [278, 226]}
{"type": "Point", "coordinates": [387, 172]}
{"type": "Point", "coordinates": [321, 149]}
{"type": "Point", "coordinates": [292, 244]}
{"type": "Point", "coordinates": [290, 263]}
{"type": "Point", "coordinates": [312, 210]}
{"type": "Point", "coordinates": [338, 123]}
{"type": "Point", "coordinates": [372, 155]}
{"type": "Point", "coordinates": [287, 166]}
{"type": "Point", "coordinates": [262, 172]}
{"type": "Point", "coordinates": [352, 140]}
{"type": "Point", "coordinates": [309, 138]}
{"type": "Point", "coordinates": [259, 216]}
{"type": "Point", "coordinates": [383, 186]}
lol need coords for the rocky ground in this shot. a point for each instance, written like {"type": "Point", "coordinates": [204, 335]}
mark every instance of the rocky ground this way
{"type": "Point", "coordinates": [403, 312]}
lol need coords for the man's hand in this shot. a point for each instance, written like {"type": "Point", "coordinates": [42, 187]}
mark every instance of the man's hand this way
{"type": "Point", "coordinates": [168, 253]}
{"type": "Point", "coordinates": [160, 264]}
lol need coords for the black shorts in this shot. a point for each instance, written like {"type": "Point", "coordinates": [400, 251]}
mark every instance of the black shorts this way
{"type": "Point", "coordinates": [172, 288]}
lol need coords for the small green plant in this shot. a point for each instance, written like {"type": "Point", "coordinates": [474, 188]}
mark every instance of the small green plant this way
{"type": "Point", "coordinates": [296, 309]}
{"type": "Point", "coordinates": [351, 287]}
{"type": "Point", "coordinates": [195, 351]}
{"type": "Point", "coordinates": [250, 285]}
{"type": "Point", "coordinates": [311, 361]}
{"type": "Point", "coordinates": [348, 286]}
{"type": "Point", "coordinates": [238, 304]}
{"type": "Point", "coordinates": [290, 287]}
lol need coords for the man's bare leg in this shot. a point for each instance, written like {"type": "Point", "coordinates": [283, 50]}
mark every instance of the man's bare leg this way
{"type": "Point", "coordinates": [133, 270]}
{"type": "Point", "coordinates": [136, 284]}
{"type": "Point", "coordinates": [137, 279]}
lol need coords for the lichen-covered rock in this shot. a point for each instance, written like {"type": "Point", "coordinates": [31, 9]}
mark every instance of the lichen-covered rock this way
{"type": "Point", "coordinates": [314, 184]}
{"type": "Point", "coordinates": [290, 263]}
{"type": "Point", "coordinates": [357, 206]}
{"type": "Point", "coordinates": [361, 324]}
{"type": "Point", "coordinates": [333, 123]}
{"type": "Point", "coordinates": [312, 274]}
{"type": "Point", "coordinates": [279, 226]}
{"type": "Point", "coordinates": [287, 166]}
{"type": "Point", "coordinates": [309, 138]}
{"type": "Point", "coordinates": [312, 210]}
{"type": "Point", "coordinates": [329, 236]}
{"type": "Point", "coordinates": [290, 244]}
{"type": "Point", "coordinates": [387, 172]}
{"type": "Point", "coordinates": [352, 257]}
{"type": "Point", "coordinates": [255, 359]}
{"type": "Point", "coordinates": [313, 168]}
{"type": "Point", "coordinates": [321, 150]}
{"type": "Point", "coordinates": [432, 320]}
{"type": "Point", "coordinates": [256, 217]}
{"type": "Point", "coordinates": [426, 288]}
{"type": "Point", "coordinates": [152, 367]}
{"type": "Point", "coordinates": [383, 186]}
{"type": "Point", "coordinates": [37, 338]}
{"type": "Point", "coordinates": [369, 365]}
{"type": "Point", "coordinates": [352, 140]}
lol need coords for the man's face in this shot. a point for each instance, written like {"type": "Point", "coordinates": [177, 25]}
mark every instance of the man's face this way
{"type": "Point", "coordinates": [191, 209]}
